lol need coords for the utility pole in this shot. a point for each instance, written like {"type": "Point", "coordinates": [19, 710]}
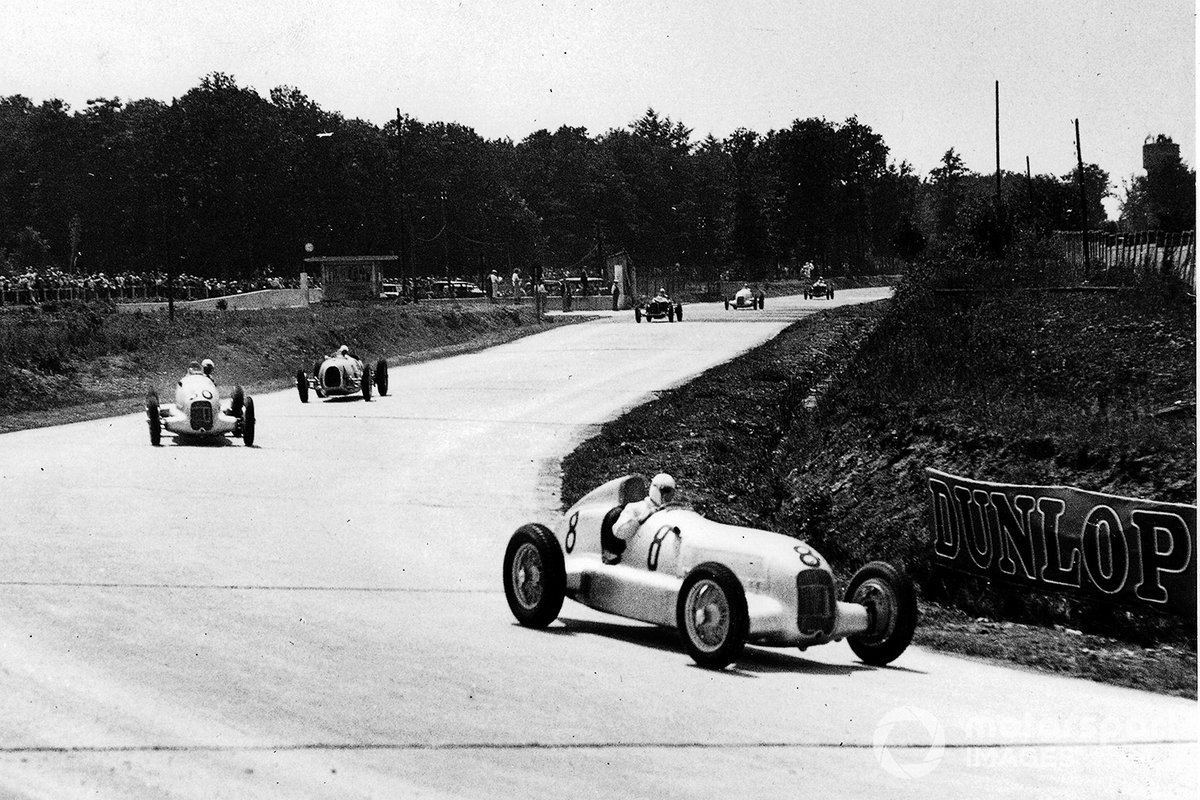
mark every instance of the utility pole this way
{"type": "Point", "coordinates": [1029, 183]}
{"type": "Point", "coordinates": [1087, 258]}
{"type": "Point", "coordinates": [998, 200]}
{"type": "Point", "coordinates": [445, 250]}
{"type": "Point", "coordinates": [405, 244]}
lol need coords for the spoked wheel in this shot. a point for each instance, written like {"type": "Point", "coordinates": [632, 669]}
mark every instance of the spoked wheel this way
{"type": "Point", "coordinates": [891, 605]}
{"type": "Point", "coordinates": [366, 383]}
{"type": "Point", "coordinates": [152, 417]}
{"type": "Point", "coordinates": [381, 377]}
{"type": "Point", "coordinates": [239, 399]}
{"type": "Point", "coordinates": [535, 577]}
{"type": "Point", "coordinates": [302, 385]}
{"type": "Point", "coordinates": [711, 615]}
{"type": "Point", "coordinates": [248, 422]}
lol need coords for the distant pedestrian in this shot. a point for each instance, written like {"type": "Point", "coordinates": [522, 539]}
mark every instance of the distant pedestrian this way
{"type": "Point", "coordinates": [492, 285]}
{"type": "Point", "coordinates": [516, 285]}
{"type": "Point", "coordinates": [616, 295]}
{"type": "Point", "coordinates": [583, 282]}
{"type": "Point", "coordinates": [566, 295]}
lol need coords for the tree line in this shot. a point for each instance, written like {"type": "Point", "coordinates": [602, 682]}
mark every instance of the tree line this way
{"type": "Point", "coordinates": [223, 182]}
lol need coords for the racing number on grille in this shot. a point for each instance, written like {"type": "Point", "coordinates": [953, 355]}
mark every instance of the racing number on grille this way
{"type": "Point", "coordinates": [656, 546]}
{"type": "Point", "coordinates": [570, 543]}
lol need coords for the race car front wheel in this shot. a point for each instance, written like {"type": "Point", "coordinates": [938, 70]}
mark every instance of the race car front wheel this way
{"type": "Point", "coordinates": [535, 576]}
{"type": "Point", "coordinates": [637, 314]}
{"type": "Point", "coordinates": [679, 312]}
{"type": "Point", "coordinates": [381, 377]}
{"type": "Point", "coordinates": [366, 383]}
{"type": "Point", "coordinates": [891, 604]}
{"type": "Point", "coordinates": [711, 615]}
{"type": "Point", "coordinates": [248, 422]}
{"type": "Point", "coordinates": [302, 385]}
{"type": "Point", "coordinates": [238, 401]}
{"type": "Point", "coordinates": [153, 418]}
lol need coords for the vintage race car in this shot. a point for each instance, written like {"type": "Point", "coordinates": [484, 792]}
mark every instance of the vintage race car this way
{"type": "Point", "coordinates": [342, 374]}
{"type": "Point", "coordinates": [197, 412]}
{"type": "Point", "coordinates": [720, 585]}
{"type": "Point", "coordinates": [658, 307]}
{"type": "Point", "coordinates": [819, 288]}
{"type": "Point", "coordinates": [742, 300]}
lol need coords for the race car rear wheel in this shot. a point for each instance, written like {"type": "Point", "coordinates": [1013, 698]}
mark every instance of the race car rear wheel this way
{"type": "Point", "coordinates": [679, 312]}
{"type": "Point", "coordinates": [758, 304]}
{"type": "Point", "coordinates": [248, 422]}
{"type": "Point", "coordinates": [670, 313]}
{"type": "Point", "coordinates": [637, 314]}
{"type": "Point", "coordinates": [711, 615]}
{"type": "Point", "coordinates": [535, 576]}
{"type": "Point", "coordinates": [235, 405]}
{"type": "Point", "coordinates": [153, 418]}
{"type": "Point", "coordinates": [891, 605]}
{"type": "Point", "coordinates": [726, 305]}
{"type": "Point", "coordinates": [302, 385]}
{"type": "Point", "coordinates": [366, 383]}
{"type": "Point", "coordinates": [381, 377]}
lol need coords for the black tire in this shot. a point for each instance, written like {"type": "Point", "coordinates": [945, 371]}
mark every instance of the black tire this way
{"type": "Point", "coordinates": [670, 313]}
{"type": "Point", "coordinates": [637, 313]}
{"type": "Point", "coordinates": [381, 377]}
{"type": "Point", "coordinates": [302, 385]}
{"type": "Point", "coordinates": [235, 405]}
{"type": "Point", "coordinates": [726, 305]}
{"type": "Point", "coordinates": [829, 294]}
{"type": "Point", "coordinates": [712, 588]}
{"type": "Point", "coordinates": [761, 302]}
{"type": "Point", "coordinates": [891, 604]}
{"type": "Point", "coordinates": [679, 312]}
{"type": "Point", "coordinates": [535, 576]}
{"type": "Point", "coordinates": [366, 384]}
{"type": "Point", "coordinates": [153, 418]}
{"type": "Point", "coordinates": [248, 422]}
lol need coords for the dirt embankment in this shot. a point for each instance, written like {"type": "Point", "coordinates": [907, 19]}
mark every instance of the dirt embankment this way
{"type": "Point", "coordinates": [1044, 389]}
{"type": "Point", "coordinates": [77, 361]}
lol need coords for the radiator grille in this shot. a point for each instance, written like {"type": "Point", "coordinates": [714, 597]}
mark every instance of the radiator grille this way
{"type": "Point", "coordinates": [815, 603]}
{"type": "Point", "coordinates": [333, 378]}
{"type": "Point", "coordinates": [201, 416]}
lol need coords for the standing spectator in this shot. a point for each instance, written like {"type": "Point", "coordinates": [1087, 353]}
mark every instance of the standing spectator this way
{"type": "Point", "coordinates": [616, 295]}
{"type": "Point", "coordinates": [516, 285]}
{"type": "Point", "coordinates": [583, 281]}
{"type": "Point", "coordinates": [566, 295]}
{"type": "Point", "coordinates": [493, 285]}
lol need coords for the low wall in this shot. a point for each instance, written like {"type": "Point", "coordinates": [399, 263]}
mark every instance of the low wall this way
{"type": "Point", "coordinates": [265, 298]}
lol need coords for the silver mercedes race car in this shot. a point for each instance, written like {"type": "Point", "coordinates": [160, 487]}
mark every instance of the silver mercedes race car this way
{"type": "Point", "coordinates": [343, 374]}
{"type": "Point", "coordinates": [197, 412]}
{"type": "Point", "coordinates": [721, 586]}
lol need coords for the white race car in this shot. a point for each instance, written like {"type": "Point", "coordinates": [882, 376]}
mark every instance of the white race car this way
{"type": "Point", "coordinates": [720, 585]}
{"type": "Point", "coordinates": [343, 374]}
{"type": "Point", "coordinates": [197, 412]}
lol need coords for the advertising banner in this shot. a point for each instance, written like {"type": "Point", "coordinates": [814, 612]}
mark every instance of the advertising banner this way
{"type": "Point", "coordinates": [1067, 540]}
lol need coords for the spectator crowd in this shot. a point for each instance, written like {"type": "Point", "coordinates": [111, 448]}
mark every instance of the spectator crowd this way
{"type": "Point", "coordinates": [40, 286]}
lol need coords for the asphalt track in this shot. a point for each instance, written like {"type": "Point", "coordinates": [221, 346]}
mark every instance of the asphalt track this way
{"type": "Point", "coordinates": [322, 616]}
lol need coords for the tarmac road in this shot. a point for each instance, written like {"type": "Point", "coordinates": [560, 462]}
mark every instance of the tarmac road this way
{"type": "Point", "coordinates": [322, 616]}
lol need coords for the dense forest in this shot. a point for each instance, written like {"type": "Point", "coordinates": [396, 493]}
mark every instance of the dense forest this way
{"type": "Point", "coordinates": [222, 182]}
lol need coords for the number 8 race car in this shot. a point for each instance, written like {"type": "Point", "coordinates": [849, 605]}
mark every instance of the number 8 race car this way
{"type": "Point", "coordinates": [720, 585]}
{"type": "Point", "coordinates": [197, 413]}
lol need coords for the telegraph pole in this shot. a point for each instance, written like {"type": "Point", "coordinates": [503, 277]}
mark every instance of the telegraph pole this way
{"type": "Point", "coordinates": [998, 201]}
{"type": "Point", "coordinates": [405, 244]}
{"type": "Point", "coordinates": [445, 250]}
{"type": "Point", "coordinates": [1087, 259]}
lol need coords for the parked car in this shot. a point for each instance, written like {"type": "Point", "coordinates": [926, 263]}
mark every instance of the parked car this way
{"type": "Point", "coordinates": [342, 374]}
{"type": "Point", "coordinates": [721, 586]}
{"type": "Point", "coordinates": [197, 412]}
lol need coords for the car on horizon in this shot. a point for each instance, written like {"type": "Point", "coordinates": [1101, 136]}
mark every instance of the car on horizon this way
{"type": "Point", "coordinates": [721, 586]}
{"type": "Point", "coordinates": [197, 413]}
{"type": "Point", "coordinates": [341, 375]}
{"type": "Point", "coordinates": [658, 307]}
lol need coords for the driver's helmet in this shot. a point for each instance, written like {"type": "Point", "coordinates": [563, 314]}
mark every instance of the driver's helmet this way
{"type": "Point", "coordinates": [662, 293]}
{"type": "Point", "coordinates": [662, 489]}
{"type": "Point", "coordinates": [343, 351]}
{"type": "Point", "coordinates": [208, 366]}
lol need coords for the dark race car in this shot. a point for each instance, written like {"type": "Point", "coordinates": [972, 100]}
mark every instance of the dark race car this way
{"type": "Point", "coordinates": [819, 288]}
{"type": "Point", "coordinates": [658, 307]}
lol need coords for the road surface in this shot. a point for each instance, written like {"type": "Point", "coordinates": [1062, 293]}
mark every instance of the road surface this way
{"type": "Point", "coordinates": [322, 616]}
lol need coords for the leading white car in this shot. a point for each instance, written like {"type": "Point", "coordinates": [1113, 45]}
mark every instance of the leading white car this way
{"type": "Point", "coordinates": [721, 586]}
{"type": "Point", "coordinates": [198, 413]}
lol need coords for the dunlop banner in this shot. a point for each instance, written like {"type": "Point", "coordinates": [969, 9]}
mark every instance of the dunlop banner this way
{"type": "Point", "coordinates": [1067, 540]}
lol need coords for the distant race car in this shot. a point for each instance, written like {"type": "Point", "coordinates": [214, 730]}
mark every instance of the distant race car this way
{"type": "Point", "coordinates": [720, 586]}
{"type": "Point", "coordinates": [658, 307]}
{"type": "Point", "coordinates": [819, 288]}
{"type": "Point", "coordinates": [197, 413]}
{"type": "Point", "coordinates": [746, 299]}
{"type": "Point", "coordinates": [342, 374]}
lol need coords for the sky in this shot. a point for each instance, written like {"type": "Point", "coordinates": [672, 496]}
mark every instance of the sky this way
{"type": "Point", "coordinates": [921, 73]}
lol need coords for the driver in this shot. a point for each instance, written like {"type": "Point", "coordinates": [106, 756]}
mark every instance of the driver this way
{"type": "Point", "coordinates": [662, 295]}
{"type": "Point", "coordinates": [194, 368]}
{"type": "Point", "coordinates": [662, 493]}
{"type": "Point", "coordinates": [344, 352]}
{"type": "Point", "coordinates": [744, 294]}
{"type": "Point", "coordinates": [208, 366]}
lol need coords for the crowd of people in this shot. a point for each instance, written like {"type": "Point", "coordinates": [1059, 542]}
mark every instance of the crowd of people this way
{"type": "Point", "coordinates": [45, 285]}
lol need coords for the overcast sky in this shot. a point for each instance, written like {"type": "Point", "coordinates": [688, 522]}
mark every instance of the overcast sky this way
{"type": "Point", "coordinates": [920, 73]}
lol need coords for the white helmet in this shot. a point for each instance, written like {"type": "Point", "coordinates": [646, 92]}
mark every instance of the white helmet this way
{"type": "Point", "coordinates": [343, 350]}
{"type": "Point", "coordinates": [208, 366]}
{"type": "Point", "coordinates": [662, 489]}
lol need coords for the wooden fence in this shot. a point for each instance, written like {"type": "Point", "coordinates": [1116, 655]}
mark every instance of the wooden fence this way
{"type": "Point", "coordinates": [1124, 258]}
